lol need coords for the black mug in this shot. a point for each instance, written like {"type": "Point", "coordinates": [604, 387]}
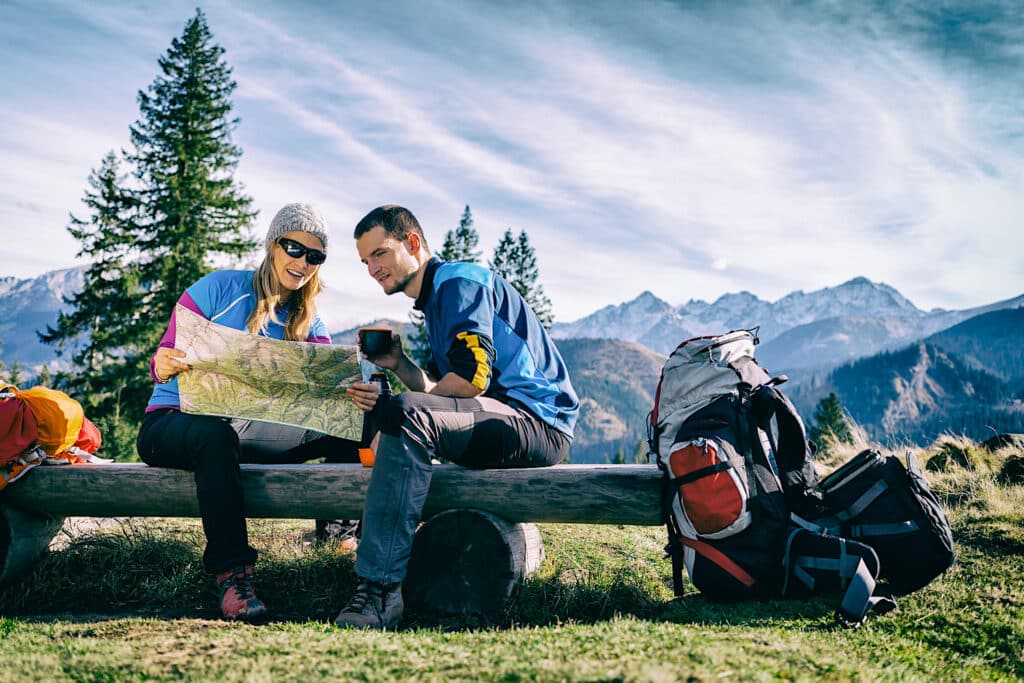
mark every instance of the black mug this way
{"type": "Point", "coordinates": [374, 341]}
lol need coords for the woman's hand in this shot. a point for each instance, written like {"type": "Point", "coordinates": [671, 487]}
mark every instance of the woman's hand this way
{"type": "Point", "coordinates": [167, 363]}
{"type": "Point", "coordinates": [364, 395]}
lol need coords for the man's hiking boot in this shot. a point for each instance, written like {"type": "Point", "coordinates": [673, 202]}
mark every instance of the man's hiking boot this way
{"type": "Point", "coordinates": [373, 606]}
{"type": "Point", "coordinates": [238, 599]}
{"type": "Point", "coordinates": [344, 533]}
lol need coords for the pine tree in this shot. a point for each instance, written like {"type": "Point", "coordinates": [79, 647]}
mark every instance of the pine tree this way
{"type": "Point", "coordinates": [184, 160]}
{"type": "Point", "coordinates": [831, 425]}
{"type": "Point", "coordinates": [514, 259]}
{"type": "Point", "coordinates": [640, 451]}
{"type": "Point", "coordinates": [461, 243]}
{"type": "Point", "coordinates": [152, 238]}
{"type": "Point", "coordinates": [45, 377]}
{"type": "Point", "coordinates": [504, 255]}
{"type": "Point", "coordinates": [99, 319]}
{"type": "Point", "coordinates": [12, 375]}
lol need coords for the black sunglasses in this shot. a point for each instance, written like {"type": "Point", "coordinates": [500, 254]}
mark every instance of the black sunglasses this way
{"type": "Point", "coordinates": [314, 257]}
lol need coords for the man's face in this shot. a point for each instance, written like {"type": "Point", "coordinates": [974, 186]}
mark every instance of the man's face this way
{"type": "Point", "coordinates": [389, 261]}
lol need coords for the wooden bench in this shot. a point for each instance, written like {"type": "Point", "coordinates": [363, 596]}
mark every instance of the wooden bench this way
{"type": "Point", "coordinates": [477, 540]}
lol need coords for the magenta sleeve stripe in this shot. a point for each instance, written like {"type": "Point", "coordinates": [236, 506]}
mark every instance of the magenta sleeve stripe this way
{"type": "Point", "coordinates": [188, 302]}
{"type": "Point", "coordinates": [167, 341]}
{"type": "Point", "coordinates": [319, 340]}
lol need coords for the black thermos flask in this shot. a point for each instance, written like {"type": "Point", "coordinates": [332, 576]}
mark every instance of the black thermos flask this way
{"type": "Point", "coordinates": [372, 420]}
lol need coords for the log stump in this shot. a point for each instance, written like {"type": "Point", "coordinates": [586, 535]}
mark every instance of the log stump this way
{"type": "Point", "coordinates": [467, 561]}
{"type": "Point", "coordinates": [24, 538]}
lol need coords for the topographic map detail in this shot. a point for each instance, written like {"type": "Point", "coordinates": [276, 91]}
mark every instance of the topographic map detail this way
{"type": "Point", "coordinates": [237, 374]}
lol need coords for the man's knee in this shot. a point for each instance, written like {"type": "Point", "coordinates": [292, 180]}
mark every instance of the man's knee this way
{"type": "Point", "coordinates": [411, 407]}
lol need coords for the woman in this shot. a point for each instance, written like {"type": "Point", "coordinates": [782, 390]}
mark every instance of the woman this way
{"type": "Point", "coordinates": [277, 300]}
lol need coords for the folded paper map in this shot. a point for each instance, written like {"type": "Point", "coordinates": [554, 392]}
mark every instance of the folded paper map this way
{"type": "Point", "coordinates": [237, 374]}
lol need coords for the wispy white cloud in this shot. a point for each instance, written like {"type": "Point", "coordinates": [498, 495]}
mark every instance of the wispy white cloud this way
{"type": "Point", "coordinates": [687, 150]}
{"type": "Point", "coordinates": [372, 104]}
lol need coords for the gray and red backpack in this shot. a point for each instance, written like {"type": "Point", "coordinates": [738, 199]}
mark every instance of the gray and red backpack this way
{"type": "Point", "coordinates": [737, 468]}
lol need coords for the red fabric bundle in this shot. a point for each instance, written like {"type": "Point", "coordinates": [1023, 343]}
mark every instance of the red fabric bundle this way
{"type": "Point", "coordinates": [89, 439]}
{"type": "Point", "coordinates": [18, 429]}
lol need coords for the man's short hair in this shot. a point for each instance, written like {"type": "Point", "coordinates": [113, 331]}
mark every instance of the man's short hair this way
{"type": "Point", "coordinates": [397, 221]}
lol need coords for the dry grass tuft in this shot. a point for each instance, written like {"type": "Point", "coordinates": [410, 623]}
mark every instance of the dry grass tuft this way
{"type": "Point", "coordinates": [958, 452]}
{"type": "Point", "coordinates": [1012, 471]}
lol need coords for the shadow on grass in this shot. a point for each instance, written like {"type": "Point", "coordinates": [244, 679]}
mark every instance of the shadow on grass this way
{"type": "Point", "coordinates": [992, 534]}
{"type": "Point", "coordinates": [552, 601]}
{"type": "Point", "coordinates": [106, 573]}
{"type": "Point", "coordinates": [133, 573]}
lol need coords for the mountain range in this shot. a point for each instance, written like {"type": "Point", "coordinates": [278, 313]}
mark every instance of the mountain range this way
{"type": "Point", "coordinates": [615, 381]}
{"type": "Point", "coordinates": [31, 305]}
{"type": "Point", "coordinates": [965, 380]}
{"type": "Point", "coordinates": [903, 373]}
{"type": "Point", "coordinates": [812, 330]}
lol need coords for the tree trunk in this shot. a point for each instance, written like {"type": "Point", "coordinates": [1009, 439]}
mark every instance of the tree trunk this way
{"type": "Point", "coordinates": [467, 561]}
{"type": "Point", "coordinates": [563, 494]}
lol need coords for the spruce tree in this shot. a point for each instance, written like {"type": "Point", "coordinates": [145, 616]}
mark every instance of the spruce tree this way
{"type": "Point", "coordinates": [514, 259]}
{"type": "Point", "coordinates": [461, 243]}
{"type": "Point", "coordinates": [831, 425]}
{"type": "Point", "coordinates": [504, 254]}
{"type": "Point", "coordinates": [45, 377]}
{"type": "Point", "coordinates": [11, 375]}
{"type": "Point", "coordinates": [184, 160]}
{"type": "Point", "coordinates": [153, 237]}
{"type": "Point", "coordinates": [640, 451]}
{"type": "Point", "coordinates": [99, 319]}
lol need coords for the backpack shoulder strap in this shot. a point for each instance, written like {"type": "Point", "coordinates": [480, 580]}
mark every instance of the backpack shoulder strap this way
{"type": "Point", "coordinates": [855, 576]}
{"type": "Point", "coordinates": [674, 549]}
{"type": "Point", "coordinates": [793, 451]}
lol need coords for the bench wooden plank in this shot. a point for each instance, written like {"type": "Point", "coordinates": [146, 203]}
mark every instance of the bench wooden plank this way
{"type": "Point", "coordinates": [590, 494]}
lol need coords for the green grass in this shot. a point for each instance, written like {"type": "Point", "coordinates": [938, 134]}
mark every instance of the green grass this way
{"type": "Point", "coordinates": [131, 602]}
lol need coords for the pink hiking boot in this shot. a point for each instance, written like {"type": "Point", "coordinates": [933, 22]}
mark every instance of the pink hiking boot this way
{"type": "Point", "coordinates": [238, 599]}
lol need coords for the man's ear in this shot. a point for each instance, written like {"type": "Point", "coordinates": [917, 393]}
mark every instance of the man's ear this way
{"type": "Point", "coordinates": [414, 243]}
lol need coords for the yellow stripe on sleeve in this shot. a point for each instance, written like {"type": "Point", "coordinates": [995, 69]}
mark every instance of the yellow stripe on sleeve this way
{"type": "Point", "coordinates": [483, 368]}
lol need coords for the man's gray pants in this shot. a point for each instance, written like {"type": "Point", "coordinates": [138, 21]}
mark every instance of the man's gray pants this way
{"type": "Point", "coordinates": [473, 432]}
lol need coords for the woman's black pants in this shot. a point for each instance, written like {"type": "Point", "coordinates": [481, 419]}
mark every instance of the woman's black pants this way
{"type": "Point", "coordinates": [213, 447]}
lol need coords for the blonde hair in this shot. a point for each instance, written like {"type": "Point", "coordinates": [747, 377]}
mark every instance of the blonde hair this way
{"type": "Point", "coordinates": [270, 296]}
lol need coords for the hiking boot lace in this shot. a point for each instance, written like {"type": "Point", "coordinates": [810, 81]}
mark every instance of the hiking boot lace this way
{"type": "Point", "coordinates": [242, 586]}
{"type": "Point", "coordinates": [366, 600]}
{"type": "Point", "coordinates": [240, 582]}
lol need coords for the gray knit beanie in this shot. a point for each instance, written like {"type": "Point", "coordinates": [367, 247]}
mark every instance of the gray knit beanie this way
{"type": "Point", "coordinates": [297, 218]}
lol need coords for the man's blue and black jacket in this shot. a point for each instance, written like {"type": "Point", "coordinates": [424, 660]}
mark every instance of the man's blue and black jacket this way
{"type": "Point", "coordinates": [480, 328]}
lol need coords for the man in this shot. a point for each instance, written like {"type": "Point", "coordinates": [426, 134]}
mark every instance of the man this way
{"type": "Point", "coordinates": [498, 395]}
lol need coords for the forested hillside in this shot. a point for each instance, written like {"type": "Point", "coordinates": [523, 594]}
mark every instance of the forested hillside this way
{"type": "Point", "coordinates": [615, 381]}
{"type": "Point", "coordinates": [913, 395]}
{"type": "Point", "coordinates": [993, 341]}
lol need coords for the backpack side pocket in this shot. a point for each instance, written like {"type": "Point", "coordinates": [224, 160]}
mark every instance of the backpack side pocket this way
{"type": "Point", "coordinates": [713, 498]}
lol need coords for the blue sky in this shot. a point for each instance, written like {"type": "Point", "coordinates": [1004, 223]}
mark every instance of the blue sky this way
{"type": "Point", "coordinates": [687, 148]}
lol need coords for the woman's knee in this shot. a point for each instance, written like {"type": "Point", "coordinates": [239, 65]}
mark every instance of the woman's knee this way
{"type": "Point", "coordinates": [211, 437]}
{"type": "Point", "coordinates": [187, 441]}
